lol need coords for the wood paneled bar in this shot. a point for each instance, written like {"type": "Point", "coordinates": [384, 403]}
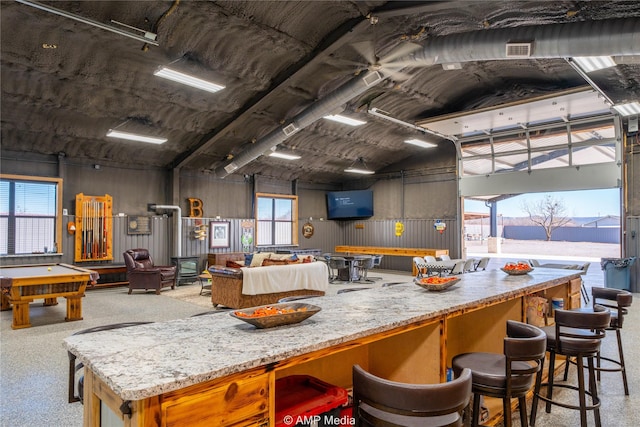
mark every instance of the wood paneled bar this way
{"type": "Point", "coordinates": [379, 250]}
{"type": "Point", "coordinates": [215, 370]}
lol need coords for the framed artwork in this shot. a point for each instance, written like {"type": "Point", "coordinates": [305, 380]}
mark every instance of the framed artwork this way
{"type": "Point", "coordinates": [219, 234]}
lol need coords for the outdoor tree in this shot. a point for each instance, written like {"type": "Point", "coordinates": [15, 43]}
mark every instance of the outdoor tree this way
{"type": "Point", "coordinates": [549, 213]}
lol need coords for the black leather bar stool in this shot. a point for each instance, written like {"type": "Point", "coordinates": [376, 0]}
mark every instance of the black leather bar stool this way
{"type": "Point", "coordinates": [617, 301]}
{"type": "Point", "coordinates": [578, 334]}
{"type": "Point", "coordinates": [380, 402]}
{"type": "Point", "coordinates": [509, 375]}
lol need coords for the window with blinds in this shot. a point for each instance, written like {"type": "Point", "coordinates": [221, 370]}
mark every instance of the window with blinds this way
{"type": "Point", "coordinates": [276, 220]}
{"type": "Point", "coordinates": [29, 215]}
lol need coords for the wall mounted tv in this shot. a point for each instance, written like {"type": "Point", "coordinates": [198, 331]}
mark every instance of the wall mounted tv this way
{"type": "Point", "coordinates": [349, 204]}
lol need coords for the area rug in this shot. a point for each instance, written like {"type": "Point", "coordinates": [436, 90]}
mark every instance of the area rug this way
{"type": "Point", "coordinates": [190, 293]}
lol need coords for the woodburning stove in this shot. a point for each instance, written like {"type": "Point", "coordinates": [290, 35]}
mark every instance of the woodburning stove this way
{"type": "Point", "coordinates": [186, 268]}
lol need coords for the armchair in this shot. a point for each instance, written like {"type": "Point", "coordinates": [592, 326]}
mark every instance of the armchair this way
{"type": "Point", "coordinates": [143, 274]}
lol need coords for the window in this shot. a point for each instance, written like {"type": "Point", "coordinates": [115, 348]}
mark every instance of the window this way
{"type": "Point", "coordinates": [277, 220]}
{"type": "Point", "coordinates": [582, 142]}
{"type": "Point", "coordinates": [30, 220]}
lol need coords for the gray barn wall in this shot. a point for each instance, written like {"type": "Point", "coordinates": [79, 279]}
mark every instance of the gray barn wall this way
{"type": "Point", "coordinates": [631, 198]}
{"type": "Point", "coordinates": [415, 201]}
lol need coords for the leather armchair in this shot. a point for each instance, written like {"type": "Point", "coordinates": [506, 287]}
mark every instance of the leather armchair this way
{"type": "Point", "coordinates": [143, 274]}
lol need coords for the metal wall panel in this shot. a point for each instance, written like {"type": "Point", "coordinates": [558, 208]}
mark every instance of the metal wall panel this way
{"type": "Point", "coordinates": [632, 248]}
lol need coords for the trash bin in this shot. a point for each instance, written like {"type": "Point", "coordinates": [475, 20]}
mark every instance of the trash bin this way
{"type": "Point", "coordinates": [617, 272]}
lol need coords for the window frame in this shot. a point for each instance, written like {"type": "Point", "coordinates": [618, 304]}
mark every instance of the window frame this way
{"type": "Point", "coordinates": [58, 214]}
{"type": "Point", "coordinates": [294, 219]}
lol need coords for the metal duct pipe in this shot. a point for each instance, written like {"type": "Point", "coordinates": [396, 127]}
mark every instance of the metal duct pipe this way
{"type": "Point", "coordinates": [177, 240]}
{"type": "Point", "coordinates": [588, 38]}
{"type": "Point", "coordinates": [311, 114]}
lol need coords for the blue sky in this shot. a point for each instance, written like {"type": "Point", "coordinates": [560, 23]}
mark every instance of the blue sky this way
{"type": "Point", "coordinates": [589, 203]}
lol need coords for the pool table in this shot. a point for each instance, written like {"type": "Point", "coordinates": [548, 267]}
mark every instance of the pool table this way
{"type": "Point", "coordinates": [21, 284]}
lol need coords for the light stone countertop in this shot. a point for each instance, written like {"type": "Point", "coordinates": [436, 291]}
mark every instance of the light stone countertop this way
{"type": "Point", "coordinates": [147, 360]}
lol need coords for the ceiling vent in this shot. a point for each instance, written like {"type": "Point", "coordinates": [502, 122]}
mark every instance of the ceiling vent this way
{"type": "Point", "coordinates": [290, 129]}
{"type": "Point", "coordinates": [372, 78]}
{"type": "Point", "coordinates": [519, 50]}
{"type": "Point", "coordinates": [230, 167]}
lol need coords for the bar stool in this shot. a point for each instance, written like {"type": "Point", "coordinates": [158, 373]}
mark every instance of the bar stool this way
{"type": "Point", "coordinates": [380, 402]}
{"type": "Point", "coordinates": [617, 301]}
{"type": "Point", "coordinates": [577, 333]}
{"type": "Point", "coordinates": [509, 375]}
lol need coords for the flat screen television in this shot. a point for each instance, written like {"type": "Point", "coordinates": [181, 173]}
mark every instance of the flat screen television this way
{"type": "Point", "coordinates": [350, 204]}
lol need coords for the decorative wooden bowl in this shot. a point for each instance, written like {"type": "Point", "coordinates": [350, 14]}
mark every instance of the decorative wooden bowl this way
{"type": "Point", "coordinates": [288, 314]}
{"type": "Point", "coordinates": [517, 272]}
{"type": "Point", "coordinates": [425, 284]}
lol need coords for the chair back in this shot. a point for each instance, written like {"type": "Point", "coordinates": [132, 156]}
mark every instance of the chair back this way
{"type": "Point", "coordinates": [482, 264]}
{"type": "Point", "coordinates": [379, 402]}
{"type": "Point", "coordinates": [366, 263]}
{"type": "Point", "coordinates": [337, 262]}
{"type": "Point", "coordinates": [468, 265]}
{"type": "Point", "coordinates": [429, 258]}
{"type": "Point", "coordinates": [524, 342]}
{"type": "Point", "coordinates": [458, 268]}
{"type": "Point", "coordinates": [579, 332]}
{"type": "Point", "coordinates": [616, 300]}
{"type": "Point", "coordinates": [445, 258]}
{"type": "Point", "coordinates": [377, 260]}
{"type": "Point", "coordinates": [137, 258]}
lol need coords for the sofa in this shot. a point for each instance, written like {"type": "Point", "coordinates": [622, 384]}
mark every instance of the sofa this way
{"type": "Point", "coordinates": [235, 285]}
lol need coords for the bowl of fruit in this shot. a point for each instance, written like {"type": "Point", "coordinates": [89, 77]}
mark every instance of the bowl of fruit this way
{"type": "Point", "coordinates": [436, 283]}
{"type": "Point", "coordinates": [517, 268]}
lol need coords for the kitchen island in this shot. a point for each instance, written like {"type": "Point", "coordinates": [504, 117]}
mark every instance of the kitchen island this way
{"type": "Point", "coordinates": [216, 370]}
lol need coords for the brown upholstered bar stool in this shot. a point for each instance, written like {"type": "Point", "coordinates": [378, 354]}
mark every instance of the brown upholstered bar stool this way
{"type": "Point", "coordinates": [578, 334]}
{"type": "Point", "coordinates": [617, 301]}
{"type": "Point", "coordinates": [380, 402]}
{"type": "Point", "coordinates": [509, 375]}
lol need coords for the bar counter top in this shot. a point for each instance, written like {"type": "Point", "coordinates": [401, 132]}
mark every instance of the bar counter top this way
{"type": "Point", "coordinates": [148, 360]}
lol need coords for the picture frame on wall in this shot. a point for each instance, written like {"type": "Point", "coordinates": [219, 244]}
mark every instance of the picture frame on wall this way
{"type": "Point", "coordinates": [219, 234]}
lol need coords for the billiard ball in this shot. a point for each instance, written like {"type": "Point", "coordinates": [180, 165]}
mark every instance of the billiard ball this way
{"type": "Point", "coordinates": [49, 269]}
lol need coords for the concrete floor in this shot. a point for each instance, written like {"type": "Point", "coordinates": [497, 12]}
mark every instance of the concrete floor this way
{"type": "Point", "coordinates": [33, 364]}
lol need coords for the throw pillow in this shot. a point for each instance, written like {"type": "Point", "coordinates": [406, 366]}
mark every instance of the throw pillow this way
{"type": "Point", "coordinates": [247, 259]}
{"type": "Point", "coordinates": [257, 259]}
{"type": "Point", "coordinates": [233, 264]}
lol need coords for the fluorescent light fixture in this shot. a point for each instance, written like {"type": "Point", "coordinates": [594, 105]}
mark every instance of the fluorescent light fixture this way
{"type": "Point", "coordinates": [420, 143]}
{"type": "Point", "coordinates": [186, 79]}
{"type": "Point", "coordinates": [351, 169]}
{"type": "Point", "coordinates": [628, 109]}
{"type": "Point", "coordinates": [135, 137]}
{"type": "Point", "coordinates": [594, 63]}
{"type": "Point", "coordinates": [283, 155]}
{"type": "Point", "coordinates": [345, 120]}
{"type": "Point", "coordinates": [362, 169]}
